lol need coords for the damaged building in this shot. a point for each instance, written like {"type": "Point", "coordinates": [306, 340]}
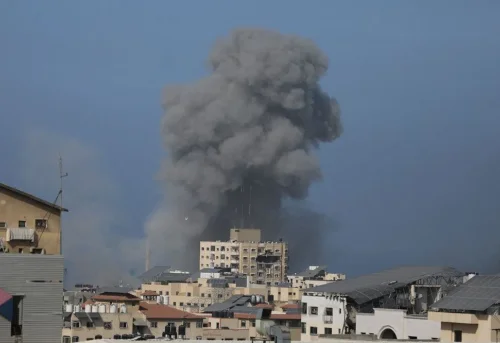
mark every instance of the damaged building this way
{"type": "Point", "coordinates": [333, 308]}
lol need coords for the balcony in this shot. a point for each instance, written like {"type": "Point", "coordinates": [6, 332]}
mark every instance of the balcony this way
{"type": "Point", "coordinates": [327, 319]}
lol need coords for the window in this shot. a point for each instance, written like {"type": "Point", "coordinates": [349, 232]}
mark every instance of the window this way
{"type": "Point", "coordinates": [189, 294]}
{"type": "Point", "coordinates": [340, 311]}
{"type": "Point", "coordinates": [40, 223]}
{"type": "Point", "coordinates": [222, 249]}
{"type": "Point", "coordinates": [123, 325]}
{"type": "Point", "coordinates": [22, 223]}
{"type": "Point", "coordinates": [212, 248]}
{"type": "Point", "coordinates": [16, 325]}
{"type": "Point", "coordinates": [181, 304]}
{"type": "Point", "coordinates": [313, 330]}
{"type": "Point", "coordinates": [252, 323]}
{"type": "Point", "coordinates": [243, 323]}
{"type": "Point", "coordinates": [304, 308]}
{"type": "Point", "coordinates": [202, 295]}
{"type": "Point", "coordinates": [328, 331]}
{"type": "Point", "coordinates": [303, 325]}
{"type": "Point", "coordinates": [20, 250]}
{"type": "Point", "coordinates": [154, 324]}
{"type": "Point", "coordinates": [313, 310]}
{"type": "Point", "coordinates": [3, 225]}
{"type": "Point", "coordinates": [108, 326]}
{"type": "Point", "coordinates": [188, 325]}
{"type": "Point", "coordinates": [328, 311]}
{"type": "Point", "coordinates": [412, 337]}
{"type": "Point", "coordinates": [199, 324]}
{"type": "Point", "coordinates": [90, 325]}
{"type": "Point", "coordinates": [75, 339]}
{"type": "Point", "coordinates": [66, 339]}
{"type": "Point", "coordinates": [458, 336]}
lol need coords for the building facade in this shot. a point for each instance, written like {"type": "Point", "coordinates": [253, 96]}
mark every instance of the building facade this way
{"type": "Point", "coordinates": [28, 224]}
{"type": "Point", "coordinates": [31, 287]}
{"type": "Point", "coordinates": [264, 262]}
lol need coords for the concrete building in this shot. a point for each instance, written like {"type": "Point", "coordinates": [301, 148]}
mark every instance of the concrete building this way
{"type": "Point", "coordinates": [470, 312]}
{"type": "Point", "coordinates": [194, 292]}
{"type": "Point", "coordinates": [333, 308]}
{"type": "Point", "coordinates": [30, 298]}
{"type": "Point", "coordinates": [264, 262]}
{"type": "Point", "coordinates": [395, 323]}
{"type": "Point", "coordinates": [313, 276]}
{"type": "Point", "coordinates": [28, 224]}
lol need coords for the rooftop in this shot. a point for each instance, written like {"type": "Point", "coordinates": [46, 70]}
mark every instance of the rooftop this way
{"type": "Point", "coordinates": [372, 286]}
{"type": "Point", "coordinates": [158, 311]}
{"type": "Point", "coordinates": [115, 297]}
{"type": "Point", "coordinates": [312, 271]}
{"type": "Point", "coordinates": [31, 197]}
{"type": "Point", "coordinates": [478, 294]}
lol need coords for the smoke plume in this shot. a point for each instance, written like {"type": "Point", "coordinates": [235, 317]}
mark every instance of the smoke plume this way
{"type": "Point", "coordinates": [241, 141]}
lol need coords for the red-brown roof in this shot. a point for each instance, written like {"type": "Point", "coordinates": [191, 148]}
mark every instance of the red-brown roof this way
{"type": "Point", "coordinates": [158, 311]}
{"type": "Point", "coordinates": [148, 292]}
{"type": "Point", "coordinates": [287, 306]}
{"type": "Point", "coordinates": [113, 297]}
{"type": "Point", "coordinates": [264, 306]}
{"type": "Point", "coordinates": [274, 316]}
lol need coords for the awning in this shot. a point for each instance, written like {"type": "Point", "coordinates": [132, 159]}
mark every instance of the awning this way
{"type": "Point", "coordinates": [20, 234]}
{"type": "Point", "coordinates": [6, 305]}
{"type": "Point", "coordinates": [140, 322]}
{"type": "Point", "coordinates": [92, 316]}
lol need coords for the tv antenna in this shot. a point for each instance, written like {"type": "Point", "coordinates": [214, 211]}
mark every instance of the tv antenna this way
{"type": "Point", "coordinates": [62, 175]}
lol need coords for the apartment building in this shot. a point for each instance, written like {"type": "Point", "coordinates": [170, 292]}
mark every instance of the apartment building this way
{"type": "Point", "coordinates": [264, 262]}
{"type": "Point", "coordinates": [28, 224]}
{"type": "Point", "coordinates": [30, 298]}
{"type": "Point", "coordinates": [121, 315]}
{"type": "Point", "coordinates": [313, 276]}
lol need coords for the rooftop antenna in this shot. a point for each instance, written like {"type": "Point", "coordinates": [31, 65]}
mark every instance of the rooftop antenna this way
{"type": "Point", "coordinates": [62, 175]}
{"type": "Point", "coordinates": [148, 254]}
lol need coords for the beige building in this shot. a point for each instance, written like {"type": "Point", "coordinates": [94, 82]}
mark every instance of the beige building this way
{"type": "Point", "coordinates": [313, 276]}
{"type": "Point", "coordinates": [28, 224]}
{"type": "Point", "coordinates": [264, 262]}
{"type": "Point", "coordinates": [470, 312]}
{"type": "Point", "coordinates": [123, 315]}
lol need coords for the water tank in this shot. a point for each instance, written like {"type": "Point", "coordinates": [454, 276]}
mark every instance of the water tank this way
{"type": "Point", "coordinates": [166, 300]}
{"type": "Point", "coordinates": [102, 308]}
{"type": "Point", "coordinates": [88, 308]}
{"type": "Point", "coordinates": [69, 308]}
{"type": "Point", "coordinates": [253, 299]}
{"type": "Point", "coordinates": [94, 309]}
{"type": "Point", "coordinates": [112, 309]}
{"type": "Point", "coordinates": [78, 308]}
{"type": "Point", "coordinates": [123, 309]}
{"type": "Point", "coordinates": [158, 299]}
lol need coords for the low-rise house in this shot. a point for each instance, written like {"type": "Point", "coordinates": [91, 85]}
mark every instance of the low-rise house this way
{"type": "Point", "coordinates": [332, 308]}
{"type": "Point", "coordinates": [470, 312]}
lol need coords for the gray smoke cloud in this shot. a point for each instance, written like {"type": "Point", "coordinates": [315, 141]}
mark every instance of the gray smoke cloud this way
{"type": "Point", "coordinates": [241, 141]}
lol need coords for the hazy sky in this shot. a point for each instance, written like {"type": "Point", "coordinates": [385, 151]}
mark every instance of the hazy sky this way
{"type": "Point", "coordinates": [413, 180]}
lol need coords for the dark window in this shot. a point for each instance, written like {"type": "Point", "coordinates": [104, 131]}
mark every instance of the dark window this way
{"type": "Point", "coordinates": [328, 331]}
{"type": "Point", "coordinates": [313, 310]}
{"type": "Point", "coordinates": [458, 336]}
{"type": "Point", "coordinates": [90, 325]}
{"type": "Point", "coordinates": [40, 223]}
{"type": "Point", "coordinates": [108, 326]}
{"type": "Point", "coordinates": [154, 324]}
{"type": "Point", "coordinates": [75, 339]}
{"type": "Point", "coordinates": [123, 325]}
{"type": "Point", "coordinates": [16, 325]}
{"type": "Point", "coordinates": [304, 308]}
{"type": "Point", "coordinates": [3, 225]}
{"type": "Point", "coordinates": [313, 330]}
{"type": "Point", "coordinates": [66, 339]}
{"type": "Point", "coordinates": [22, 223]}
{"type": "Point", "coordinates": [340, 311]}
{"type": "Point", "coordinates": [199, 324]}
{"type": "Point", "coordinates": [189, 294]}
{"type": "Point", "coordinates": [303, 325]}
{"type": "Point", "coordinates": [329, 311]}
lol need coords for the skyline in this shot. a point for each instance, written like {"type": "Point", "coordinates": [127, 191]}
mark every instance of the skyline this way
{"type": "Point", "coordinates": [417, 85]}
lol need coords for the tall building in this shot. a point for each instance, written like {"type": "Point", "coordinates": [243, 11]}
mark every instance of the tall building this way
{"type": "Point", "coordinates": [31, 268]}
{"type": "Point", "coordinates": [264, 262]}
{"type": "Point", "coordinates": [28, 224]}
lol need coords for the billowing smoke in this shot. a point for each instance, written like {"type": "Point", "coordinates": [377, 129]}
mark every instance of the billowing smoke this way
{"type": "Point", "coordinates": [241, 141]}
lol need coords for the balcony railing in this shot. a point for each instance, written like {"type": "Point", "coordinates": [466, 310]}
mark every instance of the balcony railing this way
{"type": "Point", "coordinates": [327, 319]}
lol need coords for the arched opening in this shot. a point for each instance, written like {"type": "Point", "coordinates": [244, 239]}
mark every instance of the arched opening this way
{"type": "Point", "coordinates": [388, 334]}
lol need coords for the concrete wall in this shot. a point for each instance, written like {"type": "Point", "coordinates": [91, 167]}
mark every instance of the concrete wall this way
{"type": "Point", "coordinates": [475, 328]}
{"type": "Point", "coordinates": [14, 208]}
{"type": "Point", "coordinates": [405, 327]}
{"type": "Point", "coordinates": [320, 321]}
{"type": "Point", "coordinates": [38, 278]}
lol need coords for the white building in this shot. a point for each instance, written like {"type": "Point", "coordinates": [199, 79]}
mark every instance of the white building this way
{"type": "Point", "coordinates": [313, 276]}
{"type": "Point", "coordinates": [396, 324]}
{"type": "Point", "coordinates": [334, 308]}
